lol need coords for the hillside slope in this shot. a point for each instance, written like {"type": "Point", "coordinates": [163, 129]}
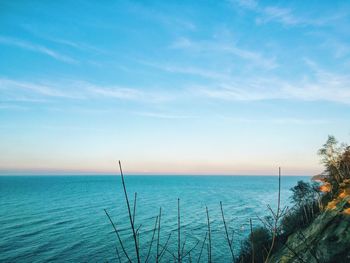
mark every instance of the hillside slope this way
{"type": "Point", "coordinates": [326, 239]}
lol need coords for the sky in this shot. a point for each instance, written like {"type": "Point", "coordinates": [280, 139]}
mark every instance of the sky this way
{"type": "Point", "coordinates": [235, 87]}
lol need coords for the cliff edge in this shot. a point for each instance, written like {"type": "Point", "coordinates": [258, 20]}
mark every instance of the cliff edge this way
{"type": "Point", "coordinates": [326, 239]}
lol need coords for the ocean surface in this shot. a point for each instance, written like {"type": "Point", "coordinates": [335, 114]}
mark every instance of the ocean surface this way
{"type": "Point", "coordinates": [62, 218]}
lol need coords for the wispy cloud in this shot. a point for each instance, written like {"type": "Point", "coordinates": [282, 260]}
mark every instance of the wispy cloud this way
{"type": "Point", "coordinates": [340, 49]}
{"type": "Point", "coordinates": [278, 121]}
{"type": "Point", "coordinates": [162, 115]}
{"type": "Point", "coordinates": [127, 93]}
{"type": "Point", "coordinates": [225, 47]}
{"type": "Point", "coordinates": [117, 92]}
{"type": "Point", "coordinates": [41, 89]}
{"type": "Point", "coordinates": [36, 48]}
{"type": "Point", "coordinates": [15, 90]}
{"type": "Point", "coordinates": [15, 107]}
{"type": "Point", "coordinates": [186, 69]}
{"type": "Point", "coordinates": [320, 86]}
{"type": "Point", "coordinates": [163, 17]}
{"type": "Point", "coordinates": [76, 45]}
{"type": "Point", "coordinates": [283, 15]}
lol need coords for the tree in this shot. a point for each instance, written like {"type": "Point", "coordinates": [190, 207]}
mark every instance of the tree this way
{"type": "Point", "coordinates": [304, 197]}
{"type": "Point", "coordinates": [331, 154]}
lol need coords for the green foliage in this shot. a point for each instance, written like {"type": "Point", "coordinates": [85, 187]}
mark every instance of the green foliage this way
{"type": "Point", "coordinates": [305, 193]}
{"type": "Point", "coordinates": [306, 207]}
{"type": "Point", "coordinates": [293, 221]}
{"type": "Point", "coordinates": [302, 193]}
{"type": "Point", "coordinates": [258, 241]}
{"type": "Point", "coordinates": [336, 159]}
{"type": "Point", "coordinates": [307, 200]}
{"type": "Point", "coordinates": [299, 217]}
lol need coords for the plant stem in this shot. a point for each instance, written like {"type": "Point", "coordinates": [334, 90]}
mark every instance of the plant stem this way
{"type": "Point", "coordinates": [227, 237]}
{"type": "Point", "coordinates": [130, 217]}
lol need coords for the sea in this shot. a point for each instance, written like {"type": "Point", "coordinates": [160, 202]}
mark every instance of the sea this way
{"type": "Point", "coordinates": [63, 218]}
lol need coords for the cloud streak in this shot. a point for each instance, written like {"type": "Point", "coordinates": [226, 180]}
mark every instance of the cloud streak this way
{"type": "Point", "coordinates": [282, 15]}
{"type": "Point", "coordinates": [279, 121]}
{"type": "Point", "coordinates": [325, 86]}
{"type": "Point", "coordinates": [24, 91]}
{"type": "Point", "coordinates": [224, 48]}
{"type": "Point", "coordinates": [36, 48]}
{"type": "Point", "coordinates": [162, 115]}
{"type": "Point", "coordinates": [39, 89]}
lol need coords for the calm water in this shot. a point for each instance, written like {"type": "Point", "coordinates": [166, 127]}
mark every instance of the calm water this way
{"type": "Point", "coordinates": [61, 219]}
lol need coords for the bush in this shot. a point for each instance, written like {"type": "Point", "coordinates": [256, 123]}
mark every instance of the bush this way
{"type": "Point", "coordinates": [306, 207]}
{"type": "Point", "coordinates": [260, 238]}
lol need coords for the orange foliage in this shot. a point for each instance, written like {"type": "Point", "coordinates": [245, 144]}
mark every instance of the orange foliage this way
{"type": "Point", "coordinates": [347, 211]}
{"type": "Point", "coordinates": [332, 204]}
{"type": "Point", "coordinates": [326, 187]}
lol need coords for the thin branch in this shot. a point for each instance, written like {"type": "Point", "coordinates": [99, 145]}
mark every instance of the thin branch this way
{"type": "Point", "coordinates": [277, 217]}
{"type": "Point", "coordinates": [183, 247]}
{"type": "Point", "coordinates": [209, 235]}
{"type": "Point", "coordinates": [118, 256]}
{"type": "Point", "coordinates": [150, 246]}
{"type": "Point", "coordinates": [138, 240]}
{"type": "Point", "coordinates": [138, 229]}
{"type": "Point", "coordinates": [164, 247]}
{"type": "Point", "coordinates": [130, 217]}
{"type": "Point", "coordinates": [227, 237]}
{"type": "Point", "coordinates": [178, 231]}
{"type": "Point", "coordinates": [134, 213]}
{"type": "Point", "coordinates": [311, 249]}
{"type": "Point", "coordinates": [171, 253]}
{"type": "Point", "coordinates": [208, 253]}
{"type": "Point", "coordinates": [200, 254]}
{"type": "Point", "coordinates": [231, 241]}
{"type": "Point", "coordinates": [252, 239]}
{"type": "Point", "coordinates": [118, 236]}
{"type": "Point", "coordinates": [160, 216]}
{"type": "Point", "coordinates": [294, 252]}
{"type": "Point", "coordinates": [189, 252]}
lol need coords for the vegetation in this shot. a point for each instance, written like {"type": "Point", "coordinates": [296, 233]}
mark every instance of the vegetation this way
{"type": "Point", "coordinates": [336, 159]}
{"type": "Point", "coordinates": [309, 201]}
{"type": "Point", "coordinates": [255, 247]}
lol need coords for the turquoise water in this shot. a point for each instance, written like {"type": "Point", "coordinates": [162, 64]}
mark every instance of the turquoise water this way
{"type": "Point", "coordinates": [61, 218]}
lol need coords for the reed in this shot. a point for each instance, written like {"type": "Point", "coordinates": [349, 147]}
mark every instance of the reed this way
{"type": "Point", "coordinates": [134, 212]}
{"type": "Point", "coordinates": [129, 212]}
{"type": "Point", "coordinates": [276, 217]}
{"type": "Point", "coordinates": [181, 253]}
{"type": "Point", "coordinates": [150, 246]}
{"type": "Point", "coordinates": [161, 249]}
{"type": "Point", "coordinates": [118, 236]}
{"type": "Point", "coordinates": [252, 239]}
{"type": "Point", "coordinates": [209, 235]}
{"type": "Point", "coordinates": [200, 254]}
{"type": "Point", "coordinates": [226, 232]}
{"type": "Point", "coordinates": [178, 232]}
{"type": "Point", "coordinates": [165, 246]}
{"type": "Point", "coordinates": [158, 237]}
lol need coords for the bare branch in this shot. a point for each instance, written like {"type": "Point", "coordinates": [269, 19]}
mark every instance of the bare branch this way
{"type": "Point", "coordinates": [200, 254]}
{"type": "Point", "coordinates": [209, 234]}
{"type": "Point", "coordinates": [130, 216]}
{"type": "Point", "coordinates": [227, 237]}
{"type": "Point", "coordinates": [118, 236]}
{"type": "Point", "coordinates": [150, 246]}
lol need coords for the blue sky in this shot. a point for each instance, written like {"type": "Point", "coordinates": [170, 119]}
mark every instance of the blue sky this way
{"type": "Point", "coordinates": [172, 87]}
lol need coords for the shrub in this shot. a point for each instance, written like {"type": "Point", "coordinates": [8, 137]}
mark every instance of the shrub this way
{"type": "Point", "coordinates": [258, 241]}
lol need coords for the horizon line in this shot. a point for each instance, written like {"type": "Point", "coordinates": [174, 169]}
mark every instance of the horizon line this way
{"type": "Point", "coordinates": [143, 174]}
